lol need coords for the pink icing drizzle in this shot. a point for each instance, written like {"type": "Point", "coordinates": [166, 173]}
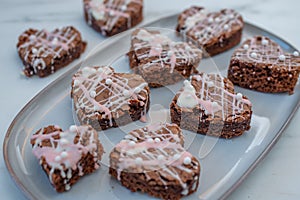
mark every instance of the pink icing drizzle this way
{"type": "Point", "coordinates": [173, 153]}
{"type": "Point", "coordinates": [177, 51]}
{"type": "Point", "coordinates": [268, 53]}
{"type": "Point", "coordinates": [116, 89]}
{"type": "Point", "coordinates": [206, 97]}
{"type": "Point", "coordinates": [212, 24]}
{"type": "Point", "coordinates": [51, 45]}
{"type": "Point", "coordinates": [111, 11]}
{"type": "Point", "coordinates": [64, 154]}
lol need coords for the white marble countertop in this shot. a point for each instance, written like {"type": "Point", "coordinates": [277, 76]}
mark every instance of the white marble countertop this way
{"type": "Point", "coordinates": [276, 177]}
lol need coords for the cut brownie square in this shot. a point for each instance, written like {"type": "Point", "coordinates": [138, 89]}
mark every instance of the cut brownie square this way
{"type": "Point", "coordinates": [215, 32]}
{"type": "Point", "coordinates": [104, 98]}
{"type": "Point", "coordinates": [208, 105]}
{"type": "Point", "coordinates": [65, 156]}
{"type": "Point", "coordinates": [110, 17]}
{"type": "Point", "coordinates": [260, 64]}
{"type": "Point", "coordinates": [44, 52]}
{"type": "Point", "coordinates": [152, 160]}
{"type": "Point", "coordinates": [159, 60]}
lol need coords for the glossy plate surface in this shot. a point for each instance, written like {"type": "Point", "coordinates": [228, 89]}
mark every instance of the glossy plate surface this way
{"type": "Point", "coordinates": [224, 163]}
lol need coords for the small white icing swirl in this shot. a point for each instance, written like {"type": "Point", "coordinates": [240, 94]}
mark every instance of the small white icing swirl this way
{"type": "Point", "coordinates": [187, 98]}
{"type": "Point", "coordinates": [246, 46]}
{"type": "Point", "coordinates": [187, 161]}
{"type": "Point", "coordinates": [282, 57]}
{"type": "Point", "coordinates": [138, 161]}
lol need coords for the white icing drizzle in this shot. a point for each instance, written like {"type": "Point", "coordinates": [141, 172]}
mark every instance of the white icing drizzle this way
{"type": "Point", "coordinates": [187, 97]}
{"type": "Point", "coordinates": [213, 96]}
{"type": "Point", "coordinates": [63, 154]}
{"type": "Point", "coordinates": [110, 12]}
{"type": "Point", "coordinates": [100, 81]}
{"type": "Point", "coordinates": [43, 45]}
{"type": "Point", "coordinates": [192, 20]}
{"type": "Point", "coordinates": [167, 158]}
{"type": "Point", "coordinates": [261, 49]}
{"type": "Point", "coordinates": [163, 51]}
{"type": "Point", "coordinates": [204, 26]}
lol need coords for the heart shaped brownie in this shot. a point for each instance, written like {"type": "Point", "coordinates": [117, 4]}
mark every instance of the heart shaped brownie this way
{"type": "Point", "coordinates": [65, 156]}
{"type": "Point", "coordinates": [110, 17]}
{"type": "Point", "coordinates": [44, 52]}
{"type": "Point", "coordinates": [215, 32]}
{"type": "Point", "coordinates": [104, 98]}
{"type": "Point", "coordinates": [208, 105]}
{"type": "Point", "coordinates": [159, 60]}
{"type": "Point", "coordinates": [260, 64]}
{"type": "Point", "coordinates": [152, 160]}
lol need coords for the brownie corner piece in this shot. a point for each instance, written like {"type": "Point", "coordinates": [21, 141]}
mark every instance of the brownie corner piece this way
{"type": "Point", "coordinates": [260, 64]}
{"type": "Point", "coordinates": [208, 105]}
{"type": "Point", "coordinates": [43, 52]}
{"type": "Point", "coordinates": [65, 156]}
{"type": "Point", "coordinates": [112, 17]}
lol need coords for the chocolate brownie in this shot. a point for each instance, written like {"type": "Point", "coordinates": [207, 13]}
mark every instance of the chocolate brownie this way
{"type": "Point", "coordinates": [65, 156]}
{"type": "Point", "coordinates": [110, 17]}
{"type": "Point", "coordinates": [159, 60]}
{"type": "Point", "coordinates": [44, 52]}
{"type": "Point", "coordinates": [104, 98]}
{"type": "Point", "coordinates": [260, 64]}
{"type": "Point", "coordinates": [208, 105]}
{"type": "Point", "coordinates": [215, 32]}
{"type": "Point", "coordinates": [152, 160]}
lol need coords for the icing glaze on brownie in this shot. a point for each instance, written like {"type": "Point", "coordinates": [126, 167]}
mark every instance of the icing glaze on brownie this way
{"type": "Point", "coordinates": [261, 49]}
{"type": "Point", "coordinates": [209, 105]}
{"type": "Point", "coordinates": [42, 48]}
{"type": "Point", "coordinates": [206, 26]}
{"type": "Point", "coordinates": [110, 11]}
{"type": "Point", "coordinates": [261, 64]}
{"type": "Point", "coordinates": [158, 48]}
{"type": "Point", "coordinates": [213, 95]}
{"type": "Point", "coordinates": [214, 32]}
{"type": "Point", "coordinates": [63, 150]}
{"type": "Point", "coordinates": [101, 90]}
{"type": "Point", "coordinates": [157, 152]}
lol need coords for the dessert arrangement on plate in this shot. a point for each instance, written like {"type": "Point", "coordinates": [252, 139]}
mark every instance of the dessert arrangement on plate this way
{"type": "Point", "coordinates": [152, 159]}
